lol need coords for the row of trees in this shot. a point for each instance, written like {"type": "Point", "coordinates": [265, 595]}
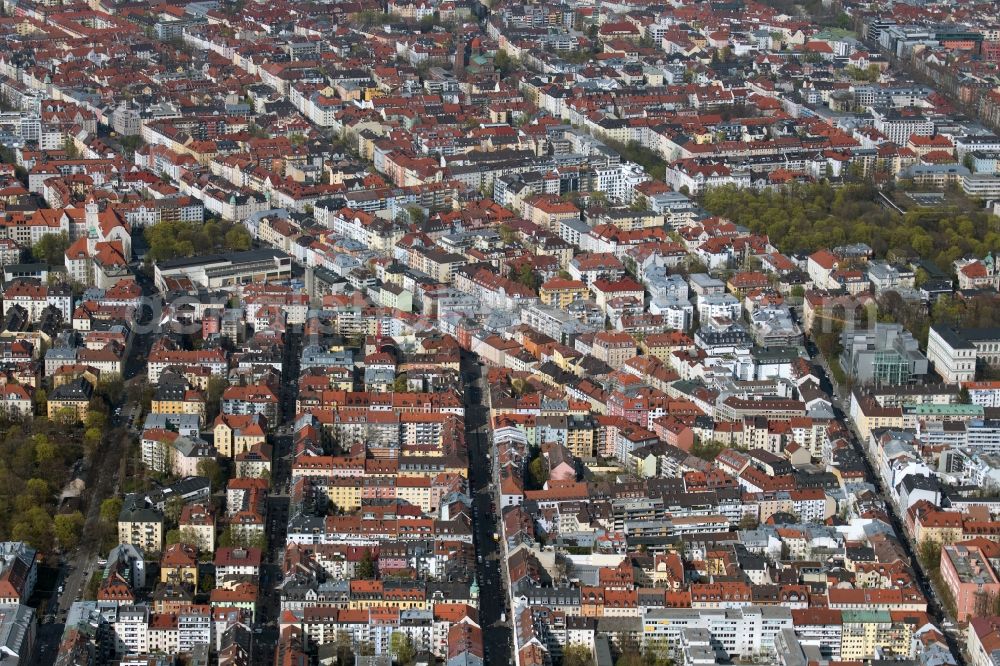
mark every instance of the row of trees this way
{"type": "Point", "coordinates": [929, 554]}
{"type": "Point", "coordinates": [803, 218]}
{"type": "Point", "coordinates": [818, 12]}
{"type": "Point", "coordinates": [400, 646]}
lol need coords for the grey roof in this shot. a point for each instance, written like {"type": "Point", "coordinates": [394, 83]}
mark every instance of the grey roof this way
{"type": "Point", "coordinates": [465, 659]}
{"type": "Point", "coordinates": [12, 550]}
{"type": "Point", "coordinates": [68, 353]}
{"type": "Point", "coordinates": [16, 623]}
{"type": "Point", "coordinates": [190, 488]}
{"type": "Point", "coordinates": [917, 482]}
{"type": "Point", "coordinates": [78, 389]}
{"type": "Point", "coordinates": [189, 446]}
{"type": "Point", "coordinates": [706, 280]}
{"type": "Point", "coordinates": [135, 510]}
{"type": "Point", "coordinates": [84, 616]}
{"type": "Point", "coordinates": [619, 624]}
{"type": "Point", "coordinates": [171, 421]}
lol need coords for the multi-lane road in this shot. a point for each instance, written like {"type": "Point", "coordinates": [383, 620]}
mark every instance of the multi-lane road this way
{"type": "Point", "coordinates": [493, 606]}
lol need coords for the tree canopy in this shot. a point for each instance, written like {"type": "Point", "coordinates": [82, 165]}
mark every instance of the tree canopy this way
{"type": "Point", "coordinates": [110, 508]}
{"type": "Point", "coordinates": [577, 655]}
{"type": "Point", "coordinates": [35, 461]}
{"type": "Point", "coordinates": [803, 218]}
{"type": "Point", "coordinates": [538, 475]}
{"type": "Point", "coordinates": [171, 240]}
{"type": "Point", "coordinates": [707, 450]}
{"type": "Point", "coordinates": [210, 468]}
{"type": "Point", "coordinates": [978, 311]}
{"type": "Point", "coordinates": [401, 645]}
{"type": "Point", "coordinates": [51, 249]}
{"type": "Point", "coordinates": [231, 538]}
{"type": "Point", "coordinates": [633, 151]}
{"type": "Point", "coordinates": [132, 143]}
{"type": "Point", "coordinates": [505, 63]}
{"type": "Point", "coordinates": [366, 568]}
{"type": "Point", "coordinates": [68, 527]}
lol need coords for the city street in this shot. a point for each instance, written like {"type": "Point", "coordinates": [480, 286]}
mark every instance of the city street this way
{"type": "Point", "coordinates": [492, 594]}
{"type": "Point", "coordinates": [77, 566]}
{"type": "Point", "coordinates": [103, 480]}
{"type": "Point", "coordinates": [841, 403]}
{"type": "Point", "coordinates": [269, 605]}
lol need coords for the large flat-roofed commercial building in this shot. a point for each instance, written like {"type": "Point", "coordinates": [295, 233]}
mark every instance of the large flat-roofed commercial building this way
{"type": "Point", "coordinates": [218, 271]}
